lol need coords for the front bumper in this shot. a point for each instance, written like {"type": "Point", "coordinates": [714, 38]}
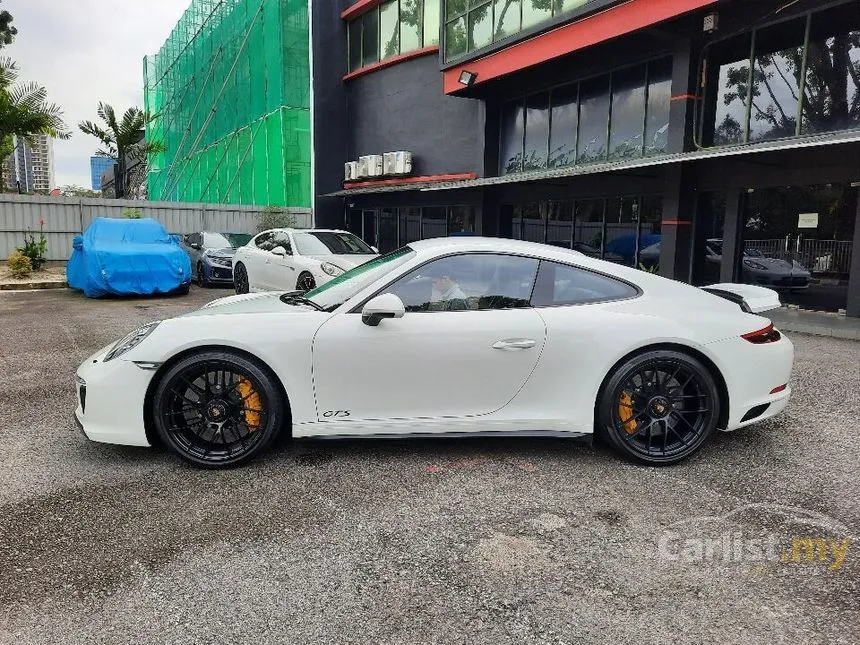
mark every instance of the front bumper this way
{"type": "Point", "coordinates": [218, 273]}
{"type": "Point", "coordinates": [110, 400]}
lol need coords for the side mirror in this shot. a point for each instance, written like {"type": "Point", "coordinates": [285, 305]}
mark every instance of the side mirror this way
{"type": "Point", "coordinates": [195, 246]}
{"type": "Point", "coordinates": [375, 250]}
{"type": "Point", "coordinates": [280, 251]}
{"type": "Point", "coordinates": [386, 305]}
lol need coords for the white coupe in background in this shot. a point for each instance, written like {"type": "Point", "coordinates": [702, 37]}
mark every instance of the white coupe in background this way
{"type": "Point", "coordinates": [450, 336]}
{"type": "Point", "coordinates": [285, 259]}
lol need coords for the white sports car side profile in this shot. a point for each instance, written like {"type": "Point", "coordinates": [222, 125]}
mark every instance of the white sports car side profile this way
{"type": "Point", "coordinates": [285, 259]}
{"type": "Point", "coordinates": [451, 336]}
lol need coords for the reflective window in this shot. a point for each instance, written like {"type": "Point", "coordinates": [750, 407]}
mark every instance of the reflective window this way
{"type": "Point", "coordinates": [389, 31]}
{"type": "Point", "coordinates": [593, 120]}
{"type": "Point", "coordinates": [559, 225]}
{"type": "Point", "coordinates": [410, 24]}
{"type": "Point", "coordinates": [394, 27]}
{"type": "Point", "coordinates": [410, 225]}
{"type": "Point", "coordinates": [535, 11]}
{"type": "Point", "coordinates": [469, 282]}
{"type": "Point", "coordinates": [456, 42]}
{"type": "Point", "coordinates": [431, 22]}
{"type": "Point", "coordinates": [537, 132]}
{"type": "Point", "coordinates": [330, 243]}
{"type": "Point", "coordinates": [506, 20]}
{"type": "Point", "coordinates": [659, 96]}
{"type": "Point", "coordinates": [511, 148]}
{"type": "Point", "coordinates": [832, 93]}
{"type": "Point", "coordinates": [562, 285]}
{"type": "Point", "coordinates": [733, 59]}
{"type": "Point", "coordinates": [563, 120]}
{"type": "Point", "coordinates": [650, 233]}
{"type": "Point", "coordinates": [480, 26]}
{"type": "Point", "coordinates": [533, 221]}
{"type": "Point", "coordinates": [355, 44]}
{"type": "Point", "coordinates": [264, 241]}
{"type": "Point", "coordinates": [588, 232]}
{"type": "Point", "coordinates": [461, 219]}
{"type": "Point", "coordinates": [622, 230]}
{"type": "Point", "coordinates": [434, 222]}
{"type": "Point", "coordinates": [282, 239]}
{"type": "Point", "coordinates": [370, 37]}
{"type": "Point", "coordinates": [388, 229]}
{"type": "Point", "coordinates": [628, 113]}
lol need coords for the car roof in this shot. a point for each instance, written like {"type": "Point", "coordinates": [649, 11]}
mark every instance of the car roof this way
{"type": "Point", "coordinates": [498, 244]}
{"type": "Point", "coordinates": [288, 229]}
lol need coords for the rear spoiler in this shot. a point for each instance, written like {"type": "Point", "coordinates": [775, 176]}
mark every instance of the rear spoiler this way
{"type": "Point", "coordinates": [749, 297]}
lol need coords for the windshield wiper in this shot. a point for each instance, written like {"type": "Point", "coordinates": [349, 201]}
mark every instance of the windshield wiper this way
{"type": "Point", "coordinates": [295, 298]}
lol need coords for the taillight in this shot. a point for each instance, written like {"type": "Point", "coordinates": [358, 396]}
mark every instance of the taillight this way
{"type": "Point", "coordinates": [762, 336]}
{"type": "Point", "coordinates": [779, 388]}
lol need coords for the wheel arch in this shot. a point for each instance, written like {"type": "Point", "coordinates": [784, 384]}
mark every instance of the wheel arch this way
{"type": "Point", "coordinates": [148, 421]}
{"type": "Point", "coordinates": [693, 352]}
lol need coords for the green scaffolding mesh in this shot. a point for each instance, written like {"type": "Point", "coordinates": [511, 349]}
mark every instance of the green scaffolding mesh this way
{"type": "Point", "coordinates": [231, 91]}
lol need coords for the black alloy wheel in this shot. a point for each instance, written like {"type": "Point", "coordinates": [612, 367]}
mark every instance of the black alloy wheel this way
{"type": "Point", "coordinates": [659, 407]}
{"type": "Point", "coordinates": [217, 409]}
{"type": "Point", "coordinates": [240, 279]}
{"type": "Point", "coordinates": [305, 282]}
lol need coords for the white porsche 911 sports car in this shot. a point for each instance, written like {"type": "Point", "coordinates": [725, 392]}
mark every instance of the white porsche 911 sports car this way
{"type": "Point", "coordinates": [285, 259]}
{"type": "Point", "coordinates": [449, 336]}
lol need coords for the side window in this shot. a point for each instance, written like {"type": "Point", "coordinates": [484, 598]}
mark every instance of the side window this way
{"type": "Point", "coordinates": [562, 284]}
{"type": "Point", "coordinates": [281, 238]}
{"type": "Point", "coordinates": [264, 241]}
{"type": "Point", "coordinates": [468, 282]}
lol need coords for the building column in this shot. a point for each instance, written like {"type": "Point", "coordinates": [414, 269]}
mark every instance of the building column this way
{"type": "Point", "coordinates": [683, 97]}
{"type": "Point", "coordinates": [853, 306]}
{"type": "Point", "coordinates": [679, 207]}
{"type": "Point", "coordinates": [732, 235]}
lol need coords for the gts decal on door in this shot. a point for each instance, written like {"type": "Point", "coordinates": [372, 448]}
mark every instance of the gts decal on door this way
{"type": "Point", "coordinates": [331, 414]}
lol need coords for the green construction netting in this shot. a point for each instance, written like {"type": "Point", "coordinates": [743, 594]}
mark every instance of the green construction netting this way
{"type": "Point", "coordinates": [231, 91]}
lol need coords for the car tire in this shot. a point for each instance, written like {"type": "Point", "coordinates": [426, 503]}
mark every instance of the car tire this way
{"type": "Point", "coordinates": [183, 289]}
{"type": "Point", "coordinates": [217, 409]}
{"type": "Point", "coordinates": [240, 279]}
{"type": "Point", "coordinates": [305, 282]}
{"type": "Point", "coordinates": [658, 407]}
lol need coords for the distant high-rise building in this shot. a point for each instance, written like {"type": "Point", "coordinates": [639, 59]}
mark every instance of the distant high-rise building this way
{"type": "Point", "coordinates": [98, 165]}
{"type": "Point", "coordinates": [30, 167]}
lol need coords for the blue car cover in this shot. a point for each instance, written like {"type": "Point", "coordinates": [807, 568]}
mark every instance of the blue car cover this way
{"type": "Point", "coordinates": [127, 257]}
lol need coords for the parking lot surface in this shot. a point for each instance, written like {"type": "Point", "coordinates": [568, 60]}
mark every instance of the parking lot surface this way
{"type": "Point", "coordinates": [418, 541]}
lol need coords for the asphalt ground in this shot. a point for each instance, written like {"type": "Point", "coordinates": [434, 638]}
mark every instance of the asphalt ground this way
{"type": "Point", "coordinates": [418, 541]}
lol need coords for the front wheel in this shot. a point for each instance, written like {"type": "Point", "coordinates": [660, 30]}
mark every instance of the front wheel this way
{"type": "Point", "coordinates": [659, 407]}
{"type": "Point", "coordinates": [240, 279]}
{"type": "Point", "coordinates": [201, 281]}
{"type": "Point", "coordinates": [305, 282]}
{"type": "Point", "coordinates": [217, 409]}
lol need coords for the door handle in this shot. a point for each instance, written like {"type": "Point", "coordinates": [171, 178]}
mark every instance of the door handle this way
{"type": "Point", "coordinates": [515, 343]}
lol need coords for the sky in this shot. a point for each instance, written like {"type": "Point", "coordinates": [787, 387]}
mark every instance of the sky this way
{"type": "Point", "coordinates": [83, 52]}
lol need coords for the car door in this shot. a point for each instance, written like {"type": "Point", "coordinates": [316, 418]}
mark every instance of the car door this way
{"type": "Point", "coordinates": [188, 243]}
{"type": "Point", "coordinates": [447, 357]}
{"type": "Point", "coordinates": [254, 256]}
{"type": "Point", "coordinates": [280, 270]}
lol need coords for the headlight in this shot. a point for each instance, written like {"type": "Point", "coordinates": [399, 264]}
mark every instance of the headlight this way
{"type": "Point", "coordinates": [752, 264]}
{"type": "Point", "coordinates": [332, 269]}
{"type": "Point", "coordinates": [132, 340]}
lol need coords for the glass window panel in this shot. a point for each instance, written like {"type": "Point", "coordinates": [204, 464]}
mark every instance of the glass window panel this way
{"type": "Point", "coordinates": [588, 230]}
{"type": "Point", "coordinates": [593, 120]}
{"type": "Point", "coordinates": [355, 44]}
{"type": "Point", "coordinates": [559, 226]}
{"type": "Point", "coordinates": [455, 38]}
{"type": "Point", "coordinates": [511, 145]}
{"type": "Point", "coordinates": [650, 232]}
{"type": "Point", "coordinates": [628, 113]}
{"type": "Point", "coordinates": [659, 97]}
{"type": "Point", "coordinates": [507, 18]}
{"type": "Point", "coordinates": [431, 22]}
{"type": "Point", "coordinates": [560, 6]}
{"type": "Point", "coordinates": [537, 132]}
{"type": "Point", "coordinates": [370, 228]}
{"type": "Point", "coordinates": [455, 7]}
{"type": "Point", "coordinates": [621, 230]}
{"type": "Point", "coordinates": [535, 11]}
{"type": "Point", "coordinates": [410, 25]}
{"type": "Point", "coordinates": [562, 138]}
{"type": "Point", "coordinates": [778, 59]}
{"type": "Point", "coordinates": [561, 284]}
{"type": "Point", "coordinates": [370, 39]}
{"type": "Point", "coordinates": [732, 59]}
{"type": "Point", "coordinates": [832, 92]}
{"type": "Point", "coordinates": [461, 219]}
{"type": "Point", "coordinates": [506, 222]}
{"type": "Point", "coordinates": [354, 222]}
{"type": "Point", "coordinates": [410, 225]}
{"type": "Point", "coordinates": [480, 27]}
{"type": "Point", "coordinates": [388, 227]}
{"type": "Point", "coordinates": [435, 222]}
{"type": "Point", "coordinates": [533, 217]}
{"type": "Point", "coordinates": [389, 29]}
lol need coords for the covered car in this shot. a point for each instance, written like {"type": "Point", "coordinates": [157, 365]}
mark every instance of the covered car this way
{"type": "Point", "coordinates": [127, 257]}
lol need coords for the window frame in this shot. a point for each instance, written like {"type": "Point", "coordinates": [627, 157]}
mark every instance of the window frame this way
{"type": "Point", "coordinates": [636, 290]}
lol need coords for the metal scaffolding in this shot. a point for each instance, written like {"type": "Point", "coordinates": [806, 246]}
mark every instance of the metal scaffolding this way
{"type": "Point", "coordinates": [231, 91]}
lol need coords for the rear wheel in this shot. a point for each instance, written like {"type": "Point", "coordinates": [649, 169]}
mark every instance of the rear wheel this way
{"type": "Point", "coordinates": [659, 407]}
{"type": "Point", "coordinates": [201, 280]}
{"type": "Point", "coordinates": [217, 409]}
{"type": "Point", "coordinates": [240, 279]}
{"type": "Point", "coordinates": [305, 282]}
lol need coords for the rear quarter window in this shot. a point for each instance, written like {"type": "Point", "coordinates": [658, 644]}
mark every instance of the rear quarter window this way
{"type": "Point", "coordinates": [561, 285]}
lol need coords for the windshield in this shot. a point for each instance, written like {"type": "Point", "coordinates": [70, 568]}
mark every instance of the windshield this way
{"type": "Point", "coordinates": [225, 240]}
{"type": "Point", "coordinates": [335, 292]}
{"type": "Point", "coordinates": [330, 243]}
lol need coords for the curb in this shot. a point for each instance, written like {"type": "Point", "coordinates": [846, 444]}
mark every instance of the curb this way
{"type": "Point", "coordinates": [29, 286]}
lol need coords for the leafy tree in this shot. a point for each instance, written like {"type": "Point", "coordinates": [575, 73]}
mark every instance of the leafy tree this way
{"type": "Point", "coordinates": [122, 139]}
{"type": "Point", "coordinates": [7, 31]}
{"type": "Point", "coordinates": [25, 110]}
{"type": "Point", "coordinates": [79, 191]}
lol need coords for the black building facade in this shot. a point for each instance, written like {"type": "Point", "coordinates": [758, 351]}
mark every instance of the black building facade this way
{"type": "Point", "coordinates": [708, 140]}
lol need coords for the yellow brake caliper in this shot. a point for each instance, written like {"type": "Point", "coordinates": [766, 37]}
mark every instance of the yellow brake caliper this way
{"type": "Point", "coordinates": [252, 402]}
{"type": "Point", "coordinates": [625, 412]}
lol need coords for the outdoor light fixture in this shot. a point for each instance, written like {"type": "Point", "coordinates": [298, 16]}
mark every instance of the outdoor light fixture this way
{"type": "Point", "coordinates": [467, 78]}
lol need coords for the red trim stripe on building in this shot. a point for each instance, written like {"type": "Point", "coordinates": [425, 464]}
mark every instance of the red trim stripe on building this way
{"type": "Point", "coordinates": [676, 222]}
{"type": "Point", "coordinates": [355, 10]}
{"type": "Point", "coordinates": [684, 97]}
{"type": "Point", "coordinates": [611, 23]}
{"type": "Point", "coordinates": [394, 60]}
{"type": "Point", "coordinates": [402, 181]}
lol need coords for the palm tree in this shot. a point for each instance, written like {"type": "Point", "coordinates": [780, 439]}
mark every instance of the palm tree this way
{"type": "Point", "coordinates": [25, 111]}
{"type": "Point", "coordinates": [122, 139]}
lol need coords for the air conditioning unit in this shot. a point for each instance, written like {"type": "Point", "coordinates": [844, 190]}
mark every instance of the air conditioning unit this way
{"type": "Point", "coordinates": [350, 171]}
{"type": "Point", "coordinates": [374, 165]}
{"type": "Point", "coordinates": [397, 163]}
{"type": "Point", "coordinates": [361, 168]}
